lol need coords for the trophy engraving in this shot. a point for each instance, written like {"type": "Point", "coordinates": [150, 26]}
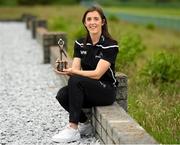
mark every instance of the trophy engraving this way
{"type": "Point", "coordinates": [61, 64]}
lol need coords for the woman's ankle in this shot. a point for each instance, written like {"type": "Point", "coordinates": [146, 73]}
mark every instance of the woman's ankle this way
{"type": "Point", "coordinates": [73, 125]}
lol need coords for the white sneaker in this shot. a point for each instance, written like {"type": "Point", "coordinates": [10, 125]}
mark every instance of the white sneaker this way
{"type": "Point", "coordinates": [67, 135]}
{"type": "Point", "coordinates": [85, 129]}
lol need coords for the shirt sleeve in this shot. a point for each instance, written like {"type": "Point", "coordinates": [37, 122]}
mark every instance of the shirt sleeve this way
{"type": "Point", "coordinates": [76, 50]}
{"type": "Point", "coordinates": [109, 54]}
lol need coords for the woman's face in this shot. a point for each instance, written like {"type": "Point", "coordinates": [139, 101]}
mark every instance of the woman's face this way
{"type": "Point", "coordinates": [93, 22]}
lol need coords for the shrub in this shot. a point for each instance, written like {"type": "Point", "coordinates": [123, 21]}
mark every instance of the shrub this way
{"type": "Point", "coordinates": [46, 2]}
{"type": "Point", "coordinates": [80, 32]}
{"type": "Point", "coordinates": [65, 2]}
{"type": "Point", "coordinates": [150, 26]}
{"type": "Point", "coordinates": [113, 17]}
{"type": "Point", "coordinates": [162, 68]}
{"type": "Point", "coordinates": [59, 23]}
{"type": "Point", "coordinates": [130, 47]}
{"type": "Point", "coordinates": [8, 2]}
{"type": "Point", "coordinates": [30, 2]}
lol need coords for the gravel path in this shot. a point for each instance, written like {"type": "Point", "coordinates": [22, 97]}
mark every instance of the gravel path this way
{"type": "Point", "coordinates": [29, 112]}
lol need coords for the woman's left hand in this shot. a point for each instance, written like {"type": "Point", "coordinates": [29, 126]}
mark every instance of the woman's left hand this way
{"type": "Point", "coordinates": [64, 72]}
{"type": "Point", "coordinates": [68, 71]}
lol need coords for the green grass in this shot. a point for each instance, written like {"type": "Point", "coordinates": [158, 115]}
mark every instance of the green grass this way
{"type": "Point", "coordinates": [156, 108]}
{"type": "Point", "coordinates": [157, 113]}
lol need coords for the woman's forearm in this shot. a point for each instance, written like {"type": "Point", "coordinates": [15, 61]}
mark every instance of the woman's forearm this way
{"type": "Point", "coordinates": [101, 68]}
{"type": "Point", "coordinates": [91, 73]}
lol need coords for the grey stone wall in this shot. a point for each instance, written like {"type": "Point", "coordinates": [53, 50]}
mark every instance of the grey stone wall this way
{"type": "Point", "coordinates": [27, 18]}
{"type": "Point", "coordinates": [112, 125]}
{"type": "Point", "coordinates": [39, 31]}
{"type": "Point", "coordinates": [48, 39]}
{"type": "Point", "coordinates": [37, 23]}
{"type": "Point", "coordinates": [122, 90]}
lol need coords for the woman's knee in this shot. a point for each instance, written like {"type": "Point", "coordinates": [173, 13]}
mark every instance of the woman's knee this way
{"type": "Point", "coordinates": [62, 95]}
{"type": "Point", "coordinates": [76, 79]}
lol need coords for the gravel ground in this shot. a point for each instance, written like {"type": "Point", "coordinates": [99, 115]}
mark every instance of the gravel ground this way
{"type": "Point", "coordinates": [29, 112]}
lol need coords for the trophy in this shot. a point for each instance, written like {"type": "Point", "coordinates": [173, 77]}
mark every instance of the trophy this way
{"type": "Point", "coordinates": [61, 64]}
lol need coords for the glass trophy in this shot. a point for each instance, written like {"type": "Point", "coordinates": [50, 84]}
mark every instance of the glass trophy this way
{"type": "Point", "coordinates": [61, 64]}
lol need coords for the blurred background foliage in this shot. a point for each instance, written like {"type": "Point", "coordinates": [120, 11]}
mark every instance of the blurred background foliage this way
{"type": "Point", "coordinates": [103, 2]}
{"type": "Point", "coordinates": [36, 2]}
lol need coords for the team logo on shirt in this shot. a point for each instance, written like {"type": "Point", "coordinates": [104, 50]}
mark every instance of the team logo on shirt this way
{"type": "Point", "coordinates": [100, 55]}
{"type": "Point", "coordinates": [83, 52]}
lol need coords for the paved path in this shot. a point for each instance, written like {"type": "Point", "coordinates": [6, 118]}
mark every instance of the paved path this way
{"type": "Point", "coordinates": [29, 112]}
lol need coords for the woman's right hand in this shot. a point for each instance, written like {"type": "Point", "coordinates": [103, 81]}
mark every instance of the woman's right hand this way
{"type": "Point", "coordinates": [57, 60]}
{"type": "Point", "coordinates": [62, 72]}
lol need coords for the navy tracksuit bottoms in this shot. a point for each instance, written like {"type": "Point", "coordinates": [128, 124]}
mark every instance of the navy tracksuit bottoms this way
{"type": "Point", "coordinates": [83, 92]}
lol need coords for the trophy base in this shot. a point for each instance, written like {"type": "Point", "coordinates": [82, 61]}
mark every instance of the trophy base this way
{"type": "Point", "coordinates": [61, 65]}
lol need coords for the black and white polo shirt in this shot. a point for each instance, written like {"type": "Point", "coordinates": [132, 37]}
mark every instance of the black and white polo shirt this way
{"type": "Point", "coordinates": [90, 55]}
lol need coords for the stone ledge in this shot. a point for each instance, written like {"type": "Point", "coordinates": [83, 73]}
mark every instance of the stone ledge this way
{"type": "Point", "coordinates": [27, 18]}
{"type": "Point", "coordinates": [115, 126]}
{"type": "Point", "coordinates": [44, 37]}
{"type": "Point", "coordinates": [48, 39]}
{"type": "Point", "coordinates": [40, 31]}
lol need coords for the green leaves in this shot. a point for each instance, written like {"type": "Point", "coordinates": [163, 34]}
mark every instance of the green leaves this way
{"type": "Point", "coordinates": [79, 32]}
{"type": "Point", "coordinates": [59, 23]}
{"type": "Point", "coordinates": [130, 47]}
{"type": "Point", "coordinates": [163, 67]}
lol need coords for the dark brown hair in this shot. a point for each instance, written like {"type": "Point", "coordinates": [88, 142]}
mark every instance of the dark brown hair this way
{"type": "Point", "coordinates": [105, 32]}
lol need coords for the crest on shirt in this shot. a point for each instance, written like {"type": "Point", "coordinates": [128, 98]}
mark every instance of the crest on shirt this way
{"type": "Point", "coordinates": [100, 55]}
{"type": "Point", "coordinates": [83, 52]}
